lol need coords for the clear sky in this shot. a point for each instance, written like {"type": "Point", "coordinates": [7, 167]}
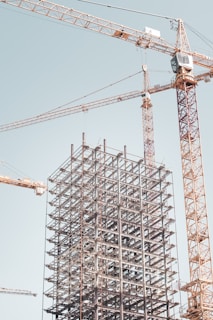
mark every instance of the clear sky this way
{"type": "Point", "coordinates": [45, 64]}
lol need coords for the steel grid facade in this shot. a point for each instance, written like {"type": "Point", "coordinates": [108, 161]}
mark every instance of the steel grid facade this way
{"type": "Point", "coordinates": [110, 240]}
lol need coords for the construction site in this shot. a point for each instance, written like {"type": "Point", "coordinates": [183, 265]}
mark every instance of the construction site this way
{"type": "Point", "coordinates": [111, 248]}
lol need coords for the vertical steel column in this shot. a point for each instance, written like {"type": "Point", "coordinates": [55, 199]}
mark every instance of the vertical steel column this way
{"type": "Point", "coordinates": [120, 236]}
{"type": "Point", "coordinates": [81, 235]}
{"type": "Point", "coordinates": [96, 209]}
{"type": "Point", "coordinates": [140, 163]}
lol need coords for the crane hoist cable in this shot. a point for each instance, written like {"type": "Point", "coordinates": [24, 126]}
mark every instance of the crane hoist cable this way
{"type": "Point", "coordinates": [128, 10]}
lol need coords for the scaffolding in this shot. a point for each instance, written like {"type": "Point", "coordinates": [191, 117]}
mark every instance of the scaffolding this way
{"type": "Point", "coordinates": [110, 250]}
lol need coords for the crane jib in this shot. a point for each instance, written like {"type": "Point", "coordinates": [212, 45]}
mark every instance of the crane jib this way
{"type": "Point", "coordinates": [139, 38]}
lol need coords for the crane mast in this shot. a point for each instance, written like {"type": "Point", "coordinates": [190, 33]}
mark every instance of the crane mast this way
{"type": "Point", "coordinates": [147, 119]}
{"type": "Point", "coordinates": [200, 286]}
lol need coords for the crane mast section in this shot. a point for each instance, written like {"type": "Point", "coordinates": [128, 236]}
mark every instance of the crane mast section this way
{"type": "Point", "coordinates": [200, 287]}
{"type": "Point", "coordinates": [147, 119]}
{"type": "Point", "coordinates": [139, 38]}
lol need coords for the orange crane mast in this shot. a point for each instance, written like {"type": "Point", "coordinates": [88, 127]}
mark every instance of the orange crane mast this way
{"type": "Point", "coordinates": [147, 119]}
{"type": "Point", "coordinates": [200, 286]}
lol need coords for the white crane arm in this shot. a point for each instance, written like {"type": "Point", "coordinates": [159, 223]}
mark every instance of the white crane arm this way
{"type": "Point", "coordinates": [146, 40]}
{"type": "Point", "coordinates": [17, 291]}
{"type": "Point", "coordinates": [70, 110]}
{"type": "Point", "coordinates": [90, 22]}
{"type": "Point", "coordinates": [39, 187]}
{"type": "Point", "coordinates": [79, 108]}
{"type": "Point", "coordinates": [92, 105]}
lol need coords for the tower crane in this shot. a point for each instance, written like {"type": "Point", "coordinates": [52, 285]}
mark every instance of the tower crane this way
{"type": "Point", "coordinates": [17, 291]}
{"type": "Point", "coordinates": [200, 286]}
{"type": "Point", "coordinates": [39, 187]}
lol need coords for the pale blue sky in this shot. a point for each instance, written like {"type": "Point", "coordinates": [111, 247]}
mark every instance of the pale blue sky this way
{"type": "Point", "coordinates": [45, 64]}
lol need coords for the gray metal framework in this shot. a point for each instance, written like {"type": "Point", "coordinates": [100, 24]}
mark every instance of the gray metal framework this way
{"type": "Point", "coordinates": [110, 239]}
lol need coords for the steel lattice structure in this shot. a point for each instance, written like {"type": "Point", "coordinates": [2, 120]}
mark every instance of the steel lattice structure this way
{"type": "Point", "coordinates": [111, 239]}
{"type": "Point", "coordinates": [200, 288]}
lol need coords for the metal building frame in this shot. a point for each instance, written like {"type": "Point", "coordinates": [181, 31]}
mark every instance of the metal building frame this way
{"type": "Point", "coordinates": [110, 241]}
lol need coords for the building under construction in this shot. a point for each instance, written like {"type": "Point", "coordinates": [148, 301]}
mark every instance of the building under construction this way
{"type": "Point", "coordinates": [110, 250]}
